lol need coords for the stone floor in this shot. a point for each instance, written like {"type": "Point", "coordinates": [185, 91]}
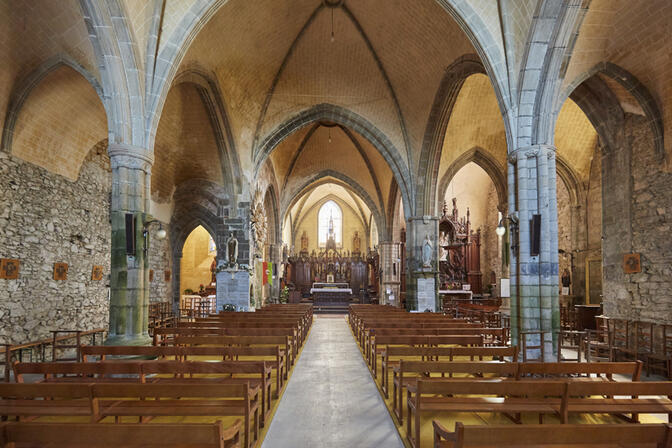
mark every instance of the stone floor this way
{"type": "Point", "coordinates": [331, 399]}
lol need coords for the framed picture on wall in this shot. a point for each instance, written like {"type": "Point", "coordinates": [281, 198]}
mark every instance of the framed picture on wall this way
{"type": "Point", "coordinates": [9, 268]}
{"type": "Point", "coordinates": [166, 275]}
{"type": "Point", "coordinates": [97, 273]}
{"type": "Point", "coordinates": [151, 275]}
{"type": "Point", "coordinates": [60, 271]}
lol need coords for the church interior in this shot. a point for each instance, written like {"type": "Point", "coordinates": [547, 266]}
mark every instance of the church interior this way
{"type": "Point", "coordinates": [356, 223]}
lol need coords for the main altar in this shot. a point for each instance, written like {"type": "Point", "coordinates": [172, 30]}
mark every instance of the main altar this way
{"type": "Point", "coordinates": [332, 275]}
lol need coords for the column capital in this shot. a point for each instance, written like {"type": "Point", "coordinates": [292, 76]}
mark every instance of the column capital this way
{"type": "Point", "coordinates": [530, 152]}
{"type": "Point", "coordinates": [130, 156]}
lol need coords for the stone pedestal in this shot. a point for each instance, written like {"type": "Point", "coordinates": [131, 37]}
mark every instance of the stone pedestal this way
{"type": "Point", "coordinates": [233, 287]}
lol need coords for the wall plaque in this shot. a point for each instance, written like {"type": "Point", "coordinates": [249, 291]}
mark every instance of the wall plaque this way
{"type": "Point", "coordinates": [166, 275]}
{"type": "Point", "coordinates": [632, 263]}
{"type": "Point", "coordinates": [60, 271]}
{"type": "Point", "coordinates": [97, 273]}
{"type": "Point", "coordinates": [151, 275]}
{"type": "Point", "coordinates": [9, 268]}
{"type": "Point", "coordinates": [426, 294]}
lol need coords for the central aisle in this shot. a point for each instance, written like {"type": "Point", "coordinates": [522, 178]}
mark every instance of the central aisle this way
{"type": "Point", "coordinates": [331, 399]}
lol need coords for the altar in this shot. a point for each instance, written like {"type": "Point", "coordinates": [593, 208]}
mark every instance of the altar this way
{"type": "Point", "coordinates": [331, 292]}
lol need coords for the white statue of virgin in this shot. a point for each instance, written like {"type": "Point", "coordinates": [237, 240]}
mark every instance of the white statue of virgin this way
{"type": "Point", "coordinates": [427, 253]}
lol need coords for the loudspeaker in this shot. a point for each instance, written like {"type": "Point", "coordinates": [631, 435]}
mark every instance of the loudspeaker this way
{"type": "Point", "coordinates": [535, 235]}
{"type": "Point", "coordinates": [130, 234]}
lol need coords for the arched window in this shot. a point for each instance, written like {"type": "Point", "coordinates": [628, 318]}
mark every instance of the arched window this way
{"type": "Point", "coordinates": [329, 219]}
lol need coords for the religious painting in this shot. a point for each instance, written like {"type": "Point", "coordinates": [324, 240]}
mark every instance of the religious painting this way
{"type": "Point", "coordinates": [632, 263]}
{"type": "Point", "coordinates": [151, 275]}
{"type": "Point", "coordinates": [60, 271]}
{"type": "Point", "coordinates": [97, 273]}
{"type": "Point", "coordinates": [166, 275]}
{"type": "Point", "coordinates": [9, 268]}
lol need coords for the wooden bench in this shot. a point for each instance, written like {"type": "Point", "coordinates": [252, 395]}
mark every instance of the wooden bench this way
{"type": "Point", "coordinates": [435, 353]}
{"type": "Point", "coordinates": [183, 353]}
{"type": "Point", "coordinates": [568, 436]}
{"type": "Point", "coordinates": [409, 372]}
{"type": "Point", "coordinates": [138, 371]}
{"type": "Point", "coordinates": [101, 400]}
{"type": "Point", "coordinates": [175, 435]}
{"type": "Point", "coordinates": [512, 398]}
{"type": "Point", "coordinates": [425, 341]}
{"type": "Point", "coordinates": [623, 398]}
{"type": "Point", "coordinates": [600, 370]}
{"type": "Point", "coordinates": [491, 336]}
{"type": "Point", "coordinates": [282, 342]}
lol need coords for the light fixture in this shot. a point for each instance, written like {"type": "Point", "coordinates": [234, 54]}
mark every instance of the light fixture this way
{"type": "Point", "coordinates": [500, 230]}
{"type": "Point", "coordinates": [160, 234]}
{"type": "Point", "coordinates": [332, 25]}
{"type": "Point", "coordinates": [329, 135]}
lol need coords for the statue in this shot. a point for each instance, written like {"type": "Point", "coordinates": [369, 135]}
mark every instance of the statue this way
{"type": "Point", "coordinates": [232, 250]}
{"type": "Point", "coordinates": [427, 253]}
{"type": "Point", "coordinates": [304, 242]}
{"type": "Point", "coordinates": [356, 242]}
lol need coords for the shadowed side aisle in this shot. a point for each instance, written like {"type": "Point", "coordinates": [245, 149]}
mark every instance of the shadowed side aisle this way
{"type": "Point", "coordinates": [331, 400]}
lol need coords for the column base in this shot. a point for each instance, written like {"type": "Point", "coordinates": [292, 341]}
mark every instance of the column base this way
{"type": "Point", "coordinates": [139, 339]}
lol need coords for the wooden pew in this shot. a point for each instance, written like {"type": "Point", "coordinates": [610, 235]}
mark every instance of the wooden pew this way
{"type": "Point", "coordinates": [427, 341]}
{"type": "Point", "coordinates": [100, 400]}
{"type": "Point", "coordinates": [132, 435]}
{"type": "Point", "coordinates": [568, 436]}
{"type": "Point", "coordinates": [184, 353]}
{"type": "Point", "coordinates": [623, 398]}
{"type": "Point", "coordinates": [408, 373]}
{"type": "Point", "coordinates": [491, 336]}
{"type": "Point", "coordinates": [510, 398]}
{"type": "Point", "coordinates": [282, 342]}
{"type": "Point", "coordinates": [138, 371]}
{"type": "Point", "coordinates": [435, 353]}
{"type": "Point", "coordinates": [601, 370]}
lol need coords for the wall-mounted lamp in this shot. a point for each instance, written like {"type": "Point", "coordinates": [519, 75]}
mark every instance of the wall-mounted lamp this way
{"type": "Point", "coordinates": [160, 234]}
{"type": "Point", "coordinates": [512, 220]}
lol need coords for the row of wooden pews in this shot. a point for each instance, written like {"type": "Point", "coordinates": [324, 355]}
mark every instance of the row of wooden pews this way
{"type": "Point", "coordinates": [449, 375]}
{"type": "Point", "coordinates": [233, 370]}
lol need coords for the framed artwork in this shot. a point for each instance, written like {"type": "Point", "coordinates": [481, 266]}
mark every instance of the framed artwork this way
{"type": "Point", "coordinates": [151, 275]}
{"type": "Point", "coordinates": [9, 268]}
{"type": "Point", "coordinates": [632, 263]}
{"type": "Point", "coordinates": [60, 271]}
{"type": "Point", "coordinates": [97, 273]}
{"type": "Point", "coordinates": [166, 275]}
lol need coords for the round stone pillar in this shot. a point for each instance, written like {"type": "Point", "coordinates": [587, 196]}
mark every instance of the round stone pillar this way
{"type": "Point", "coordinates": [129, 276]}
{"type": "Point", "coordinates": [534, 276]}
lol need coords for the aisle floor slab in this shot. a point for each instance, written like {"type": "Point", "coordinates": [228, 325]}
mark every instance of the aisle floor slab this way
{"type": "Point", "coordinates": [331, 399]}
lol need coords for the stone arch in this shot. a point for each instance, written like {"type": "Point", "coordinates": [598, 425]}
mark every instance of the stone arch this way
{"type": "Point", "coordinates": [630, 83]}
{"type": "Point", "coordinates": [488, 48]}
{"type": "Point", "coordinates": [435, 132]}
{"type": "Point", "coordinates": [338, 179]}
{"type": "Point", "coordinates": [23, 91]}
{"type": "Point", "coordinates": [345, 118]}
{"type": "Point", "coordinates": [571, 180]}
{"type": "Point", "coordinates": [271, 208]}
{"type": "Point", "coordinates": [488, 163]}
{"type": "Point", "coordinates": [211, 96]}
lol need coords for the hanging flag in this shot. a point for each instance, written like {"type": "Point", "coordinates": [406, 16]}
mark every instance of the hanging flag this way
{"type": "Point", "coordinates": [264, 270]}
{"type": "Point", "coordinates": [269, 273]}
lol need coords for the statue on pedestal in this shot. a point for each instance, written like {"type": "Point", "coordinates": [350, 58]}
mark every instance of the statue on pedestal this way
{"type": "Point", "coordinates": [356, 243]}
{"type": "Point", "coordinates": [304, 242]}
{"type": "Point", "coordinates": [232, 251]}
{"type": "Point", "coordinates": [427, 253]}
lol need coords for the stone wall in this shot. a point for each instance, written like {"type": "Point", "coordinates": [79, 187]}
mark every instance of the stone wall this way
{"type": "Point", "coordinates": [160, 261]}
{"type": "Point", "coordinates": [46, 218]}
{"type": "Point", "coordinates": [634, 168]}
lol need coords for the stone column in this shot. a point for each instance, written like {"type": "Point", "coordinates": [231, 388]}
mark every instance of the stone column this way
{"type": "Point", "coordinates": [129, 276]}
{"type": "Point", "coordinates": [534, 279]}
{"type": "Point", "coordinates": [391, 275]}
{"type": "Point", "coordinates": [420, 278]}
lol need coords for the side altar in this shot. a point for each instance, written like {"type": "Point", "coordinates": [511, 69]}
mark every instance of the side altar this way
{"type": "Point", "coordinates": [331, 292]}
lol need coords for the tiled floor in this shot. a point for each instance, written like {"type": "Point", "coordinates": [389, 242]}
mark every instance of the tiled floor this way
{"type": "Point", "coordinates": [331, 399]}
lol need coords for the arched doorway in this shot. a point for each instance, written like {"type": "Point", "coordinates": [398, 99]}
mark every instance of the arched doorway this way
{"type": "Point", "coordinates": [197, 271]}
